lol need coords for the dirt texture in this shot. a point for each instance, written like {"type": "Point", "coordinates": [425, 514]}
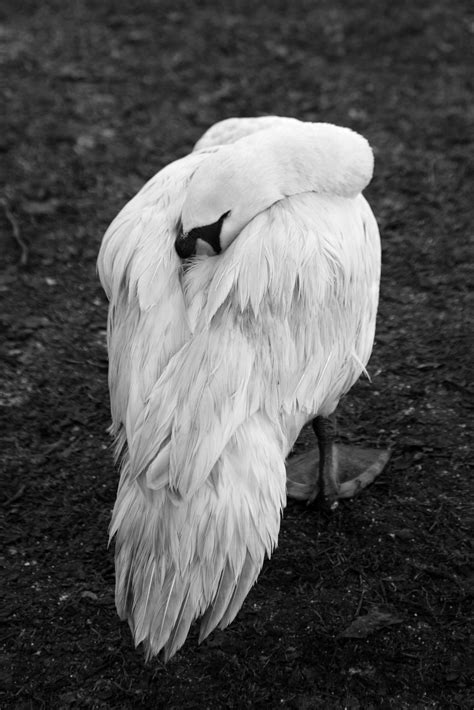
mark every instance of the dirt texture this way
{"type": "Point", "coordinates": [366, 608]}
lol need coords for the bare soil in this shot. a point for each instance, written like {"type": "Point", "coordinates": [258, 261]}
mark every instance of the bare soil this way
{"type": "Point", "coordinates": [368, 608]}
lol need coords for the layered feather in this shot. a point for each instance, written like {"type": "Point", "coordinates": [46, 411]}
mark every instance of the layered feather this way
{"type": "Point", "coordinates": [214, 369]}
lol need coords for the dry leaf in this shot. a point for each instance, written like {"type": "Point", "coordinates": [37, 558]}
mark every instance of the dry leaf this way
{"type": "Point", "coordinates": [363, 626]}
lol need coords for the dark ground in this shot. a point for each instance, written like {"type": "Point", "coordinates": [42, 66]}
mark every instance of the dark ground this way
{"type": "Point", "coordinates": [99, 96]}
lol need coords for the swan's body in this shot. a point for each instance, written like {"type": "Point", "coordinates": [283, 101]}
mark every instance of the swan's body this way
{"type": "Point", "coordinates": [215, 368]}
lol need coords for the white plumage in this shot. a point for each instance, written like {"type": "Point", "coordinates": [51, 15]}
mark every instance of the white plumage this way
{"type": "Point", "coordinates": [216, 365]}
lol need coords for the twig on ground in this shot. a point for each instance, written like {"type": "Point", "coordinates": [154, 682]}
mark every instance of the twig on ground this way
{"type": "Point", "coordinates": [15, 496]}
{"type": "Point", "coordinates": [16, 233]}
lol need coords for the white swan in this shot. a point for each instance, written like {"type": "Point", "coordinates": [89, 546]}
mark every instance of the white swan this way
{"type": "Point", "coordinates": [216, 362]}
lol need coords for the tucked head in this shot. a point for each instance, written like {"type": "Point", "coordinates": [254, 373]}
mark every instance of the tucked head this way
{"type": "Point", "coordinates": [238, 181]}
{"type": "Point", "coordinates": [223, 195]}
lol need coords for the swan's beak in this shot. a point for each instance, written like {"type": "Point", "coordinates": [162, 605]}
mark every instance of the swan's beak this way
{"type": "Point", "coordinates": [200, 240]}
{"type": "Point", "coordinates": [188, 245]}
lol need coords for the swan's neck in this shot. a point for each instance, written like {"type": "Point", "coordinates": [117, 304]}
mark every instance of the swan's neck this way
{"type": "Point", "coordinates": [245, 178]}
{"type": "Point", "coordinates": [317, 157]}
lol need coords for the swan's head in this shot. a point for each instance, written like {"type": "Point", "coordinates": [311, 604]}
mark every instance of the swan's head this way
{"type": "Point", "coordinates": [222, 197]}
{"type": "Point", "coordinates": [238, 181]}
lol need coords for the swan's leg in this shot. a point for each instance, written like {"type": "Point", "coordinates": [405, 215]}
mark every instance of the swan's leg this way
{"type": "Point", "coordinates": [328, 486]}
{"type": "Point", "coordinates": [314, 474]}
{"type": "Point", "coordinates": [332, 471]}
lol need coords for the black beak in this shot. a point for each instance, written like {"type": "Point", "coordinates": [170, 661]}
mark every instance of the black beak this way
{"type": "Point", "coordinates": [185, 244]}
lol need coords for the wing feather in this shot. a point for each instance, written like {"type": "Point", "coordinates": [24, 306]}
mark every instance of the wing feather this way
{"type": "Point", "coordinates": [140, 273]}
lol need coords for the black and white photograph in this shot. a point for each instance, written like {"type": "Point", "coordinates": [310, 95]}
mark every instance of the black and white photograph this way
{"type": "Point", "coordinates": [236, 354]}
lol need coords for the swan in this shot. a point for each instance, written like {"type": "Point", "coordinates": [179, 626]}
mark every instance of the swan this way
{"type": "Point", "coordinates": [243, 286]}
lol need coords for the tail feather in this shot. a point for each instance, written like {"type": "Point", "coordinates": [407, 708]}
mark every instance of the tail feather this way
{"type": "Point", "coordinates": [181, 627]}
{"type": "Point", "coordinates": [227, 584]}
{"type": "Point", "coordinates": [230, 597]}
{"type": "Point", "coordinates": [247, 579]}
{"type": "Point", "coordinates": [179, 559]}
